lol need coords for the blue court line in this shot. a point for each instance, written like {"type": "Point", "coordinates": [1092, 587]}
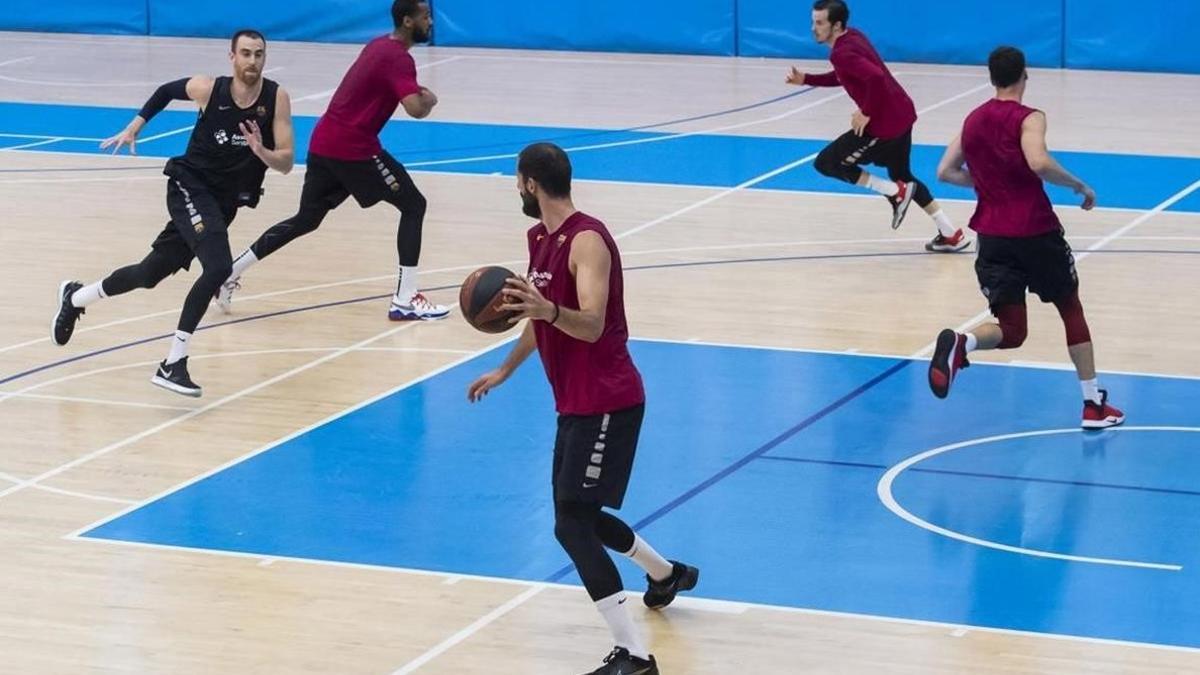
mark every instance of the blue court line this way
{"type": "Point", "coordinates": [996, 476]}
{"type": "Point", "coordinates": [700, 159]}
{"type": "Point", "coordinates": [755, 454]}
{"type": "Point", "coordinates": [701, 263]}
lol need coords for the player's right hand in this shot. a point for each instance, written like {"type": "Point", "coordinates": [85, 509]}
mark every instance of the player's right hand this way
{"type": "Point", "coordinates": [489, 381]}
{"type": "Point", "coordinates": [1089, 197]}
{"type": "Point", "coordinates": [795, 76]}
{"type": "Point", "coordinates": [126, 137]}
{"type": "Point", "coordinates": [431, 98]}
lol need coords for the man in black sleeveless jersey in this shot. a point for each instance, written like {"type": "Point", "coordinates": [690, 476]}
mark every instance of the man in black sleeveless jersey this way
{"type": "Point", "coordinates": [244, 126]}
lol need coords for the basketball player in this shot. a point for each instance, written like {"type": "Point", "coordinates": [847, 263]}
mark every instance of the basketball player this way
{"type": "Point", "coordinates": [573, 300]}
{"type": "Point", "coordinates": [345, 158]}
{"type": "Point", "coordinates": [244, 126]}
{"type": "Point", "coordinates": [880, 130]}
{"type": "Point", "coordinates": [1021, 243]}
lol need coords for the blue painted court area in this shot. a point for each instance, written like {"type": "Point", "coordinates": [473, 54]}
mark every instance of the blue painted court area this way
{"type": "Point", "coordinates": [761, 467]}
{"type": "Point", "coordinates": [1125, 181]}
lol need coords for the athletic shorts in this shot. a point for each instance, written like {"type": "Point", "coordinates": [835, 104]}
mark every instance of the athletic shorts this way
{"type": "Point", "coordinates": [1007, 266]}
{"type": "Point", "coordinates": [593, 456]}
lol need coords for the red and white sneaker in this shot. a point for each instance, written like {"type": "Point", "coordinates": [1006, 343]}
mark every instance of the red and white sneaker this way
{"type": "Point", "coordinates": [949, 357]}
{"type": "Point", "coordinates": [418, 308]}
{"type": "Point", "coordinates": [944, 244]}
{"type": "Point", "coordinates": [900, 202]}
{"type": "Point", "coordinates": [1101, 415]}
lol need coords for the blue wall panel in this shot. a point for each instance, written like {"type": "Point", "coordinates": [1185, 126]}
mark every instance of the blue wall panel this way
{"type": "Point", "coordinates": [1114, 35]}
{"type": "Point", "coordinates": [308, 20]}
{"type": "Point", "coordinates": [938, 31]}
{"type": "Point", "coordinates": [674, 26]}
{"type": "Point", "coordinates": [125, 17]}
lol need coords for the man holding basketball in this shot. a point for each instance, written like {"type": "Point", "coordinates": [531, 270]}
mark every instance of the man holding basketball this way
{"type": "Point", "coordinates": [573, 300]}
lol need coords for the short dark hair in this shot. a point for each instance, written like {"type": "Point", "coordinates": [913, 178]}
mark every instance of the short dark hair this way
{"type": "Point", "coordinates": [549, 165]}
{"type": "Point", "coordinates": [246, 32]}
{"type": "Point", "coordinates": [1006, 65]}
{"type": "Point", "coordinates": [838, 11]}
{"type": "Point", "coordinates": [403, 8]}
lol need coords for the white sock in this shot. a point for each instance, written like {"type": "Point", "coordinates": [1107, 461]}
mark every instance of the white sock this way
{"type": "Point", "coordinates": [972, 343]}
{"type": "Point", "coordinates": [649, 560]}
{"type": "Point", "coordinates": [620, 623]}
{"type": "Point", "coordinates": [88, 294]}
{"type": "Point", "coordinates": [179, 346]}
{"type": "Point", "coordinates": [887, 188]}
{"type": "Point", "coordinates": [944, 226]}
{"type": "Point", "coordinates": [407, 286]}
{"type": "Point", "coordinates": [243, 263]}
{"type": "Point", "coordinates": [1091, 389]}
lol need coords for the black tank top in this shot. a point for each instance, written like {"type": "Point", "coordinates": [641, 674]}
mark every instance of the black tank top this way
{"type": "Point", "coordinates": [217, 153]}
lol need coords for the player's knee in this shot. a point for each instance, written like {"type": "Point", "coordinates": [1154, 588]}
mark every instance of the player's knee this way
{"type": "Point", "coordinates": [1071, 311]}
{"type": "Point", "coordinates": [1014, 333]}
{"type": "Point", "coordinates": [827, 164]}
{"type": "Point", "coordinates": [569, 529]}
{"type": "Point", "coordinates": [415, 204]}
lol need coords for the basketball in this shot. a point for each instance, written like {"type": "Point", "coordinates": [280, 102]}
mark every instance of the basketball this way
{"type": "Point", "coordinates": [481, 296]}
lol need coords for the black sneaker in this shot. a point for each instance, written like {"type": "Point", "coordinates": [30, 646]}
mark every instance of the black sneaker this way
{"type": "Point", "coordinates": [620, 662]}
{"type": "Point", "coordinates": [175, 378]}
{"type": "Point", "coordinates": [662, 593]}
{"type": "Point", "coordinates": [64, 319]}
{"type": "Point", "coordinates": [900, 202]}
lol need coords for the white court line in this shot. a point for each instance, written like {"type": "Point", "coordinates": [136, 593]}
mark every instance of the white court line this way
{"type": "Point", "coordinates": [420, 67]}
{"type": "Point", "coordinates": [69, 493]}
{"type": "Point", "coordinates": [1030, 365]}
{"type": "Point", "coordinates": [690, 602]}
{"type": "Point", "coordinates": [198, 411]}
{"type": "Point", "coordinates": [1163, 206]}
{"type": "Point", "coordinates": [61, 138]}
{"type": "Point", "coordinates": [34, 144]}
{"type": "Point", "coordinates": [884, 490]}
{"type": "Point", "coordinates": [5, 395]}
{"type": "Point", "coordinates": [97, 401]}
{"type": "Point", "coordinates": [775, 172]}
{"type": "Point", "coordinates": [468, 631]}
{"type": "Point", "coordinates": [17, 60]}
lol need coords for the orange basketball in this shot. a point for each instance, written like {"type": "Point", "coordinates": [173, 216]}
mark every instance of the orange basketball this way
{"type": "Point", "coordinates": [481, 296]}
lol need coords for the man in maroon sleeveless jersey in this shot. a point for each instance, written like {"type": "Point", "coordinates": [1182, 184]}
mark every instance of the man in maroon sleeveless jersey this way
{"type": "Point", "coordinates": [1021, 242]}
{"type": "Point", "coordinates": [881, 128]}
{"type": "Point", "coordinates": [574, 302]}
{"type": "Point", "coordinates": [345, 158]}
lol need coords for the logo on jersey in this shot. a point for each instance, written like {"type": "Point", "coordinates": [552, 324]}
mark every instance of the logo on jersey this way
{"type": "Point", "coordinates": [261, 110]}
{"type": "Point", "coordinates": [540, 279]}
{"type": "Point", "coordinates": [221, 137]}
{"type": "Point", "coordinates": [562, 239]}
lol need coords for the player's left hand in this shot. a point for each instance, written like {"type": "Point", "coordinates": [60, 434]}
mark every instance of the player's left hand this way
{"type": "Point", "coordinates": [859, 122]}
{"type": "Point", "coordinates": [523, 297]}
{"type": "Point", "coordinates": [252, 134]}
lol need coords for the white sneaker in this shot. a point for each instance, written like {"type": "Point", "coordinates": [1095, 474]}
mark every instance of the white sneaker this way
{"type": "Point", "coordinates": [224, 295]}
{"type": "Point", "coordinates": [418, 308]}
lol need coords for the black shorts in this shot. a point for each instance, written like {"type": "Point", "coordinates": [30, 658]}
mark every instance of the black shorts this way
{"type": "Point", "coordinates": [593, 456]}
{"type": "Point", "coordinates": [198, 218]}
{"type": "Point", "coordinates": [1007, 266]}
{"type": "Point", "coordinates": [380, 179]}
{"type": "Point", "coordinates": [894, 154]}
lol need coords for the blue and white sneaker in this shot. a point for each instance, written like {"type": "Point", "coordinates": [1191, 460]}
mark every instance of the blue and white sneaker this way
{"type": "Point", "coordinates": [417, 308]}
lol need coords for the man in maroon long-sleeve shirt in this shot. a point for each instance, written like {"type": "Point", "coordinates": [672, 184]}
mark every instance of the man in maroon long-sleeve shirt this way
{"type": "Point", "coordinates": [881, 128]}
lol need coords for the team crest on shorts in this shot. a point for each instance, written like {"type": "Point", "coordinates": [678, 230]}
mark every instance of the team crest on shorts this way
{"type": "Point", "coordinates": [395, 187]}
{"type": "Point", "coordinates": [199, 227]}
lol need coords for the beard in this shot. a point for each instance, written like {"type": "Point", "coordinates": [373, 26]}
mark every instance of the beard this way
{"type": "Point", "coordinates": [249, 77]}
{"type": "Point", "coordinates": [530, 206]}
{"type": "Point", "coordinates": [420, 36]}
